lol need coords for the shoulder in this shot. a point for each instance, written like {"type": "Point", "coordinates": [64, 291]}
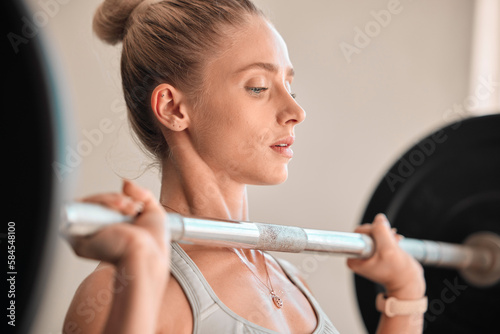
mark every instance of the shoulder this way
{"type": "Point", "coordinates": [90, 305]}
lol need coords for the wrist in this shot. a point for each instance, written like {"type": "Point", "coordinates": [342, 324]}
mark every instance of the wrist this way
{"type": "Point", "coordinates": [391, 306]}
{"type": "Point", "coordinates": [407, 291]}
{"type": "Point", "coordinates": [146, 263]}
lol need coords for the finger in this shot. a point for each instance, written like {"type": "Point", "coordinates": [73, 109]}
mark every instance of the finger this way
{"type": "Point", "coordinates": [152, 217]}
{"type": "Point", "coordinates": [107, 244]}
{"type": "Point", "coordinates": [364, 228]}
{"type": "Point", "coordinates": [140, 195]}
{"type": "Point", "coordinates": [399, 237]}
{"type": "Point", "coordinates": [115, 201]}
{"type": "Point", "coordinates": [358, 265]}
{"type": "Point", "coordinates": [382, 233]}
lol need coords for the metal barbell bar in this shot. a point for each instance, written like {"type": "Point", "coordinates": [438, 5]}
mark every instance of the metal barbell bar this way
{"type": "Point", "coordinates": [478, 258]}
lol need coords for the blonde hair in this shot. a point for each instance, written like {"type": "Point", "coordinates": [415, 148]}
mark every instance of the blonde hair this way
{"type": "Point", "coordinates": [166, 41]}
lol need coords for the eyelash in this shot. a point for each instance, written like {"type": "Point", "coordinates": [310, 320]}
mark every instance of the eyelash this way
{"type": "Point", "coordinates": [257, 90]}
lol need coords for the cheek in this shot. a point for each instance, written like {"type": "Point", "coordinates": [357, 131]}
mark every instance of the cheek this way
{"type": "Point", "coordinates": [228, 129]}
{"type": "Point", "coordinates": [251, 143]}
{"type": "Point", "coordinates": [235, 141]}
{"type": "Point", "coordinates": [210, 128]}
{"type": "Point", "coordinates": [256, 163]}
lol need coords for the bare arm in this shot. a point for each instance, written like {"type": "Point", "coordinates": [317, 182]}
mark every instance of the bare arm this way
{"type": "Point", "coordinates": [408, 323]}
{"type": "Point", "coordinates": [124, 296]}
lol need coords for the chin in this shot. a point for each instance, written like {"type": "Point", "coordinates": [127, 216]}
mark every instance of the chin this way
{"type": "Point", "coordinates": [261, 173]}
{"type": "Point", "coordinates": [271, 178]}
{"type": "Point", "coordinates": [280, 180]}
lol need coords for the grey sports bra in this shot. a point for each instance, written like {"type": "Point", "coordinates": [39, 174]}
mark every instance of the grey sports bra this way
{"type": "Point", "coordinates": [212, 316]}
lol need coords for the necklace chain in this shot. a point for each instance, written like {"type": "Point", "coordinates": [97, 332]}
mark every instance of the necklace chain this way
{"type": "Point", "coordinates": [278, 302]}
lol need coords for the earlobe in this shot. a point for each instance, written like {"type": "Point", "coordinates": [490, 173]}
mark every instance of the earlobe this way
{"type": "Point", "coordinates": [168, 106]}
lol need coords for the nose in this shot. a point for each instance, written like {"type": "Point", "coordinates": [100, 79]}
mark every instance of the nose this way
{"type": "Point", "coordinates": [291, 112]}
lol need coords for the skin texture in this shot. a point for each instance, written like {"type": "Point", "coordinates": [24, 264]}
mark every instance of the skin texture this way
{"type": "Point", "coordinates": [225, 144]}
{"type": "Point", "coordinates": [218, 146]}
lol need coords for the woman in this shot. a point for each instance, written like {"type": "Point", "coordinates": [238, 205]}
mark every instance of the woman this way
{"type": "Point", "coordinates": [207, 86]}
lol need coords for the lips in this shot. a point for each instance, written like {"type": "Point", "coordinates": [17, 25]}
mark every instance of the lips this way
{"type": "Point", "coordinates": [282, 147]}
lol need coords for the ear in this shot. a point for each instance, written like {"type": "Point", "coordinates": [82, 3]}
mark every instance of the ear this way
{"type": "Point", "coordinates": [169, 107]}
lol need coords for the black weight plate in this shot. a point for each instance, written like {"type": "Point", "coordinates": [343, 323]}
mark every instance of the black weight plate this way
{"type": "Point", "coordinates": [444, 188]}
{"type": "Point", "coordinates": [29, 141]}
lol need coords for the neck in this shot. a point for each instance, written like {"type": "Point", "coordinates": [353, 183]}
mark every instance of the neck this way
{"type": "Point", "coordinates": [201, 192]}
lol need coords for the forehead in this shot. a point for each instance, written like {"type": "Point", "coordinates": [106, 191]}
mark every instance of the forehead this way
{"type": "Point", "coordinates": [257, 43]}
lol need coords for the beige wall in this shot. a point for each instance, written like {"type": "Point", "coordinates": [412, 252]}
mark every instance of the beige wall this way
{"type": "Point", "coordinates": [362, 112]}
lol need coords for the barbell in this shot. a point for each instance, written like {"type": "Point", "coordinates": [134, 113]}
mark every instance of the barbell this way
{"type": "Point", "coordinates": [445, 189]}
{"type": "Point", "coordinates": [478, 258]}
{"type": "Point", "coordinates": [443, 195]}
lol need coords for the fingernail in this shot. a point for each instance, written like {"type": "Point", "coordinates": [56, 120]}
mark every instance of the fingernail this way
{"type": "Point", "coordinates": [382, 217]}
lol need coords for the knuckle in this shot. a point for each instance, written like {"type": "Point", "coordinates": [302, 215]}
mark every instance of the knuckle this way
{"type": "Point", "coordinates": [143, 242]}
{"type": "Point", "coordinates": [119, 201]}
{"type": "Point", "coordinates": [140, 238]}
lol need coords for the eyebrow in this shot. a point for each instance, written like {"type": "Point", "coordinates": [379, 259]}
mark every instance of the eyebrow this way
{"type": "Point", "coordinates": [265, 66]}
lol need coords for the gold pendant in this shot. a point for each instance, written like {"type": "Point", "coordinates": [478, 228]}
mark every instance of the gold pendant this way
{"type": "Point", "coordinates": [277, 300]}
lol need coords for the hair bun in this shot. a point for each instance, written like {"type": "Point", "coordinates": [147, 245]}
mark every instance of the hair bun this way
{"type": "Point", "coordinates": [111, 18]}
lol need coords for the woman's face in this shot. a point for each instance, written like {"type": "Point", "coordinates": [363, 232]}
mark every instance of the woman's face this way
{"type": "Point", "coordinates": [245, 123]}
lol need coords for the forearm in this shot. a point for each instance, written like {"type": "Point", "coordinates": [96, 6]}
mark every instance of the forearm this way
{"type": "Point", "coordinates": [408, 324]}
{"type": "Point", "coordinates": [411, 324]}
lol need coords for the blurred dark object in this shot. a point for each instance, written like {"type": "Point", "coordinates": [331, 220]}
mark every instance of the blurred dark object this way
{"type": "Point", "coordinates": [444, 188]}
{"type": "Point", "coordinates": [29, 139]}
